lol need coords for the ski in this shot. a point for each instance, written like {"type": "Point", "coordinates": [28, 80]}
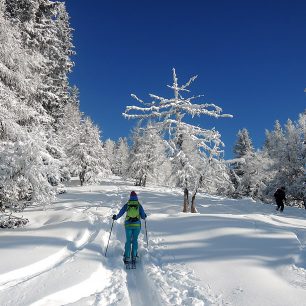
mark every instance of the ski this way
{"type": "Point", "coordinates": [133, 263]}
{"type": "Point", "coordinates": [130, 264]}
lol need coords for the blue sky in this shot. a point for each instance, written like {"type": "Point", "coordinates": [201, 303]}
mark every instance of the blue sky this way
{"type": "Point", "coordinates": [250, 58]}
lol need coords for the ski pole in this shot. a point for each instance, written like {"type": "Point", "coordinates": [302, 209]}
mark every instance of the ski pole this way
{"type": "Point", "coordinates": [146, 233]}
{"type": "Point", "coordinates": [109, 237]}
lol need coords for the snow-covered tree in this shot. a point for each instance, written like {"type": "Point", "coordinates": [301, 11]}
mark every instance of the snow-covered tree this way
{"type": "Point", "coordinates": [275, 140]}
{"type": "Point", "coordinates": [26, 165]}
{"type": "Point", "coordinates": [88, 157]}
{"type": "Point", "coordinates": [68, 135]}
{"type": "Point", "coordinates": [243, 144]}
{"type": "Point", "coordinates": [26, 169]}
{"type": "Point", "coordinates": [45, 34]}
{"type": "Point", "coordinates": [45, 31]}
{"type": "Point", "coordinates": [187, 169]}
{"type": "Point", "coordinates": [286, 148]}
{"type": "Point", "coordinates": [241, 166]}
{"type": "Point", "coordinates": [109, 147]}
{"type": "Point", "coordinates": [301, 181]}
{"type": "Point", "coordinates": [121, 157]}
{"type": "Point", "coordinates": [217, 178]}
{"type": "Point", "coordinates": [256, 168]}
{"type": "Point", "coordinates": [147, 155]}
{"type": "Point", "coordinates": [182, 137]}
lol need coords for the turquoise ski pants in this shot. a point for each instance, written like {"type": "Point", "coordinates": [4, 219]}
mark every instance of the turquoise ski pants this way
{"type": "Point", "coordinates": [131, 234]}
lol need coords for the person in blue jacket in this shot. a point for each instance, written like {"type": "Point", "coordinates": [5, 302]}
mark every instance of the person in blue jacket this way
{"type": "Point", "coordinates": [134, 211]}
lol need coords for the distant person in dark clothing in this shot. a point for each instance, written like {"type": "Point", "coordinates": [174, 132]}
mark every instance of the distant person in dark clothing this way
{"type": "Point", "coordinates": [280, 197]}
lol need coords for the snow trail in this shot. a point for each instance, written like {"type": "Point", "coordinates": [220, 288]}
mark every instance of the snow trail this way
{"type": "Point", "coordinates": [141, 291]}
{"type": "Point", "coordinates": [137, 289]}
{"type": "Point", "coordinates": [221, 256]}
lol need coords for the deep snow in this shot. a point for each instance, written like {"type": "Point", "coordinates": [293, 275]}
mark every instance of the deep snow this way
{"type": "Point", "coordinates": [233, 252]}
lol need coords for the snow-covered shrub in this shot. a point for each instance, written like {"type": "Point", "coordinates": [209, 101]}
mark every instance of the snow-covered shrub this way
{"type": "Point", "coordinates": [10, 221]}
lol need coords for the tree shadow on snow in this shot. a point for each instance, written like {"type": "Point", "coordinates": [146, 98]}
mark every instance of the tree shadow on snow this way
{"type": "Point", "coordinates": [255, 240]}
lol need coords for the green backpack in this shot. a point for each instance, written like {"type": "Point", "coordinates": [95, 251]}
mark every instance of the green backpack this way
{"type": "Point", "coordinates": [132, 213]}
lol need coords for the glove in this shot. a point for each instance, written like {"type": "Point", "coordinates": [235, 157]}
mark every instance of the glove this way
{"type": "Point", "coordinates": [114, 217]}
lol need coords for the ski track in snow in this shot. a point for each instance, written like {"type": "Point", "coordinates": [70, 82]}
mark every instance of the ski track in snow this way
{"type": "Point", "coordinates": [34, 275]}
{"type": "Point", "coordinates": [21, 275]}
{"type": "Point", "coordinates": [139, 288]}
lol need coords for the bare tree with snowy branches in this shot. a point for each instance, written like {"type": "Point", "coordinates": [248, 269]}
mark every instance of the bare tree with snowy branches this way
{"type": "Point", "coordinates": [182, 137]}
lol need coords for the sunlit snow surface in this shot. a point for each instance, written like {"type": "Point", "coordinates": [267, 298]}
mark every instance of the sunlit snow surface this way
{"type": "Point", "coordinates": [233, 252]}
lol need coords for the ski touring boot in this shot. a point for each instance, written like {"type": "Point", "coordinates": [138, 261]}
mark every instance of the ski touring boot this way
{"type": "Point", "coordinates": [127, 262]}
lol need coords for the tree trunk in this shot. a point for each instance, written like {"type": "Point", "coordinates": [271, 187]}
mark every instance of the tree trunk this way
{"type": "Point", "coordinates": [82, 177]}
{"type": "Point", "coordinates": [144, 181]}
{"type": "Point", "coordinates": [186, 200]}
{"type": "Point", "coordinates": [193, 208]}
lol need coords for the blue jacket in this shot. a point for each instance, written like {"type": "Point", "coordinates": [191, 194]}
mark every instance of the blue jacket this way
{"type": "Point", "coordinates": [130, 223]}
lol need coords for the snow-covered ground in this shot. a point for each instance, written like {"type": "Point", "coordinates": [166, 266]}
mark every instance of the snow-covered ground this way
{"type": "Point", "coordinates": [234, 252]}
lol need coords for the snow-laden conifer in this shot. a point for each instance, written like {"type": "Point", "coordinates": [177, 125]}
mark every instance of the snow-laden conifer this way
{"type": "Point", "coordinates": [242, 171]}
{"type": "Point", "coordinates": [147, 156]}
{"type": "Point", "coordinates": [68, 135]}
{"type": "Point", "coordinates": [286, 149]}
{"type": "Point", "coordinates": [109, 147]}
{"type": "Point", "coordinates": [45, 31]}
{"type": "Point", "coordinates": [121, 157]}
{"type": "Point", "coordinates": [87, 154]}
{"type": "Point", "coordinates": [290, 160]}
{"type": "Point", "coordinates": [243, 144]}
{"type": "Point", "coordinates": [26, 165]}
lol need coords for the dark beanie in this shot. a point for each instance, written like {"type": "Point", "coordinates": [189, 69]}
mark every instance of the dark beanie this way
{"type": "Point", "coordinates": [133, 194]}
